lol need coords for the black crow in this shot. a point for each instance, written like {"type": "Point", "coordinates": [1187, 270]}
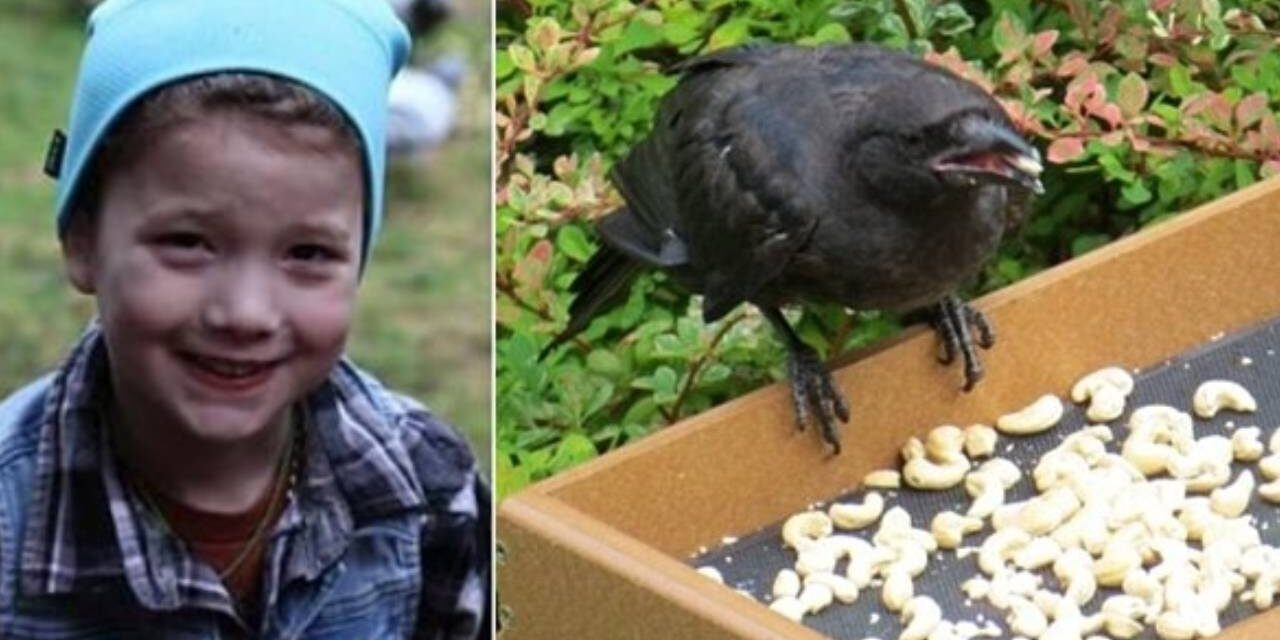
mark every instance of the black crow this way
{"type": "Point", "coordinates": [848, 174]}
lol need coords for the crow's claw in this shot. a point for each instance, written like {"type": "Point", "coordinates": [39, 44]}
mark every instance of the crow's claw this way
{"type": "Point", "coordinates": [953, 320]}
{"type": "Point", "coordinates": [813, 392]}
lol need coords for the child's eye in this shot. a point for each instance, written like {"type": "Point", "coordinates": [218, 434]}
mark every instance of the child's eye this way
{"type": "Point", "coordinates": [181, 240]}
{"type": "Point", "coordinates": [313, 253]}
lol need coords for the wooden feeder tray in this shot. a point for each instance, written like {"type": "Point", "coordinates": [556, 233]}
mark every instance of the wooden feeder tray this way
{"type": "Point", "coordinates": [606, 550]}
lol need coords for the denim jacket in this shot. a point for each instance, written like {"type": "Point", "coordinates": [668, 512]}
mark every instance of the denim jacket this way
{"type": "Point", "coordinates": [387, 535]}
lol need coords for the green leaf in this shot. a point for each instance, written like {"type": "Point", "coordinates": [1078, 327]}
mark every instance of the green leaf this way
{"type": "Point", "coordinates": [668, 344]}
{"type": "Point", "coordinates": [643, 411]}
{"type": "Point", "coordinates": [1135, 193]}
{"type": "Point", "coordinates": [951, 20]}
{"type": "Point", "coordinates": [1131, 94]}
{"type": "Point", "coordinates": [1086, 243]}
{"type": "Point", "coordinates": [832, 32]}
{"type": "Point", "coordinates": [1244, 173]}
{"type": "Point", "coordinates": [731, 33]}
{"type": "Point", "coordinates": [605, 361]}
{"type": "Point", "coordinates": [638, 34]}
{"type": "Point", "coordinates": [664, 380]}
{"type": "Point", "coordinates": [1009, 36]}
{"type": "Point", "coordinates": [574, 449]}
{"type": "Point", "coordinates": [1250, 110]}
{"type": "Point", "coordinates": [715, 372]}
{"type": "Point", "coordinates": [1180, 83]}
{"type": "Point", "coordinates": [511, 477]}
{"type": "Point", "coordinates": [522, 58]}
{"type": "Point", "coordinates": [573, 242]}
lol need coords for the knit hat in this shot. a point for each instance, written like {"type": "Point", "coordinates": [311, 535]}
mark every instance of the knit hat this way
{"type": "Point", "coordinates": [345, 50]}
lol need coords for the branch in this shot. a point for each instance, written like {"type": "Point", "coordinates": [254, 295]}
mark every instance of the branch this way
{"type": "Point", "coordinates": [503, 285]}
{"type": "Point", "coordinates": [697, 365]}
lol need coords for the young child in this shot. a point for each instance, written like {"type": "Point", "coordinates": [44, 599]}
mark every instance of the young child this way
{"type": "Point", "coordinates": [205, 463]}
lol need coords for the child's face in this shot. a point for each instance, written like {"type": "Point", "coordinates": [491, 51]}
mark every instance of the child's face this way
{"type": "Point", "coordinates": [225, 262]}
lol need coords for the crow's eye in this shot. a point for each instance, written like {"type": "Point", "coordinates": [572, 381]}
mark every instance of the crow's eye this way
{"type": "Point", "coordinates": [913, 138]}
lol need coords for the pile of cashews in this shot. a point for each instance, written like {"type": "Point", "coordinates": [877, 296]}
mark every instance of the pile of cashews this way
{"type": "Point", "coordinates": [1161, 523]}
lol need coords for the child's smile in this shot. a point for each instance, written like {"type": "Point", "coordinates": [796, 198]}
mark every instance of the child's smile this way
{"type": "Point", "coordinates": [225, 260]}
{"type": "Point", "coordinates": [229, 374]}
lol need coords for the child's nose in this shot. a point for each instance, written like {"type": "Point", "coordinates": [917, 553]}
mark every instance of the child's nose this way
{"type": "Point", "coordinates": [242, 303]}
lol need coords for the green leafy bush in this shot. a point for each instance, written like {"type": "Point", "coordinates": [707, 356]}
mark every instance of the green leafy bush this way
{"type": "Point", "coordinates": [1144, 109]}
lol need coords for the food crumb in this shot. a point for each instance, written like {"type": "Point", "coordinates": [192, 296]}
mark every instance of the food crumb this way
{"type": "Point", "coordinates": [728, 540]}
{"type": "Point", "coordinates": [875, 617]}
{"type": "Point", "coordinates": [1245, 361]}
{"type": "Point", "coordinates": [1217, 336]}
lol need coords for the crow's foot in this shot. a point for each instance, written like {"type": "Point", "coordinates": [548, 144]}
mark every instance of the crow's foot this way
{"type": "Point", "coordinates": [955, 321]}
{"type": "Point", "coordinates": [813, 391]}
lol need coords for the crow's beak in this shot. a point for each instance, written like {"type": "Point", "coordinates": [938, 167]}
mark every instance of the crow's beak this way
{"type": "Point", "coordinates": [993, 153]}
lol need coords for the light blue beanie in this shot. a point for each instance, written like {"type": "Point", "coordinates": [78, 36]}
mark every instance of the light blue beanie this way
{"type": "Point", "coordinates": [346, 50]}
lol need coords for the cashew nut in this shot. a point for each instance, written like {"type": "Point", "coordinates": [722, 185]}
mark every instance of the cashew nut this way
{"type": "Point", "coordinates": [987, 491]}
{"type": "Point", "coordinates": [1231, 500]}
{"type": "Point", "coordinates": [711, 572]}
{"type": "Point", "coordinates": [800, 531]}
{"type": "Point", "coordinates": [1269, 466]}
{"type": "Point", "coordinates": [1106, 404]}
{"type": "Point", "coordinates": [1270, 491]}
{"type": "Point", "coordinates": [786, 584]}
{"type": "Point", "coordinates": [911, 449]}
{"type": "Point", "coordinates": [949, 528]}
{"type": "Point", "coordinates": [864, 564]}
{"type": "Point", "coordinates": [1175, 625]}
{"type": "Point", "coordinates": [1038, 416]}
{"type": "Point", "coordinates": [1167, 423]}
{"type": "Point", "coordinates": [920, 616]}
{"type": "Point", "coordinates": [882, 479]}
{"type": "Point", "coordinates": [945, 443]}
{"type": "Point", "coordinates": [856, 516]}
{"type": "Point", "coordinates": [790, 608]}
{"type": "Point", "coordinates": [1214, 395]}
{"type": "Point", "coordinates": [816, 596]}
{"type": "Point", "coordinates": [998, 547]}
{"type": "Point", "coordinates": [922, 473]}
{"type": "Point", "coordinates": [897, 590]}
{"type": "Point", "coordinates": [841, 587]}
{"type": "Point", "coordinates": [1004, 469]}
{"type": "Point", "coordinates": [1246, 444]}
{"type": "Point", "coordinates": [816, 559]}
{"type": "Point", "coordinates": [1121, 615]}
{"type": "Point", "coordinates": [1264, 589]}
{"type": "Point", "coordinates": [1025, 618]}
{"type": "Point", "coordinates": [980, 440]}
{"type": "Point", "coordinates": [1074, 569]}
{"type": "Point", "coordinates": [1043, 513]}
{"type": "Point", "coordinates": [1116, 561]}
{"type": "Point", "coordinates": [1038, 553]}
{"type": "Point", "coordinates": [1109, 377]}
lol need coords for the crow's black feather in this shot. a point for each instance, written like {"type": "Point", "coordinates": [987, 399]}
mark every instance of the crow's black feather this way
{"type": "Point", "coordinates": [848, 174]}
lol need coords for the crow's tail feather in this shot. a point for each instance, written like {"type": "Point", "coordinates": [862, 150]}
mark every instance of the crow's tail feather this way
{"type": "Point", "coordinates": [601, 285]}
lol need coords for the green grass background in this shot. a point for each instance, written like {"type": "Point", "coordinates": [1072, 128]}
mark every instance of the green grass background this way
{"type": "Point", "coordinates": [423, 323]}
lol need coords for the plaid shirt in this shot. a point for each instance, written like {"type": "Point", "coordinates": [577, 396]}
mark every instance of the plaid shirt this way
{"type": "Point", "coordinates": [370, 455]}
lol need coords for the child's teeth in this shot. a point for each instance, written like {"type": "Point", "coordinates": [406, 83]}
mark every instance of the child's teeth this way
{"type": "Point", "coordinates": [228, 368]}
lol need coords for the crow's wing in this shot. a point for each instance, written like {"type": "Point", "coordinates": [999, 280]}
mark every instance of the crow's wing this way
{"type": "Point", "coordinates": [744, 144]}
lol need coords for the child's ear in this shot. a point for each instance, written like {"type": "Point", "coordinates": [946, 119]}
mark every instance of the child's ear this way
{"type": "Point", "coordinates": [79, 251]}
